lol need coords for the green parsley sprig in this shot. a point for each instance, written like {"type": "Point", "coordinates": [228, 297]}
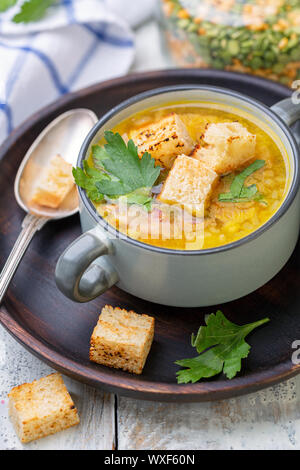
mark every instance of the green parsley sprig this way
{"type": "Point", "coordinates": [6, 4]}
{"type": "Point", "coordinates": [87, 178]}
{"type": "Point", "coordinates": [31, 10]}
{"type": "Point", "coordinates": [221, 347]}
{"type": "Point", "coordinates": [122, 162]}
{"type": "Point", "coordinates": [241, 193]}
{"type": "Point", "coordinates": [118, 173]}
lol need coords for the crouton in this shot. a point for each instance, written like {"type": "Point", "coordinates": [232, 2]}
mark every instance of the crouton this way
{"type": "Point", "coordinates": [122, 339]}
{"type": "Point", "coordinates": [164, 140]}
{"type": "Point", "coordinates": [189, 184]}
{"type": "Point", "coordinates": [55, 183]}
{"type": "Point", "coordinates": [41, 408]}
{"type": "Point", "coordinates": [227, 147]}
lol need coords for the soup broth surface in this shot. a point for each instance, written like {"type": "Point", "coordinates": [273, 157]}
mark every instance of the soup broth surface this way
{"type": "Point", "coordinates": [172, 227]}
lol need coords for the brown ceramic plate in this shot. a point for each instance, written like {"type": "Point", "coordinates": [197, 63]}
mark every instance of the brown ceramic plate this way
{"type": "Point", "coordinates": [58, 330]}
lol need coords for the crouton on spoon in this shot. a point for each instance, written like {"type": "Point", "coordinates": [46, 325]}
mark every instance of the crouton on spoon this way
{"type": "Point", "coordinates": [43, 186]}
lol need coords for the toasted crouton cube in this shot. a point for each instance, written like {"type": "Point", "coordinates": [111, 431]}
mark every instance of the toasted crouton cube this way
{"type": "Point", "coordinates": [55, 183]}
{"type": "Point", "coordinates": [229, 145]}
{"type": "Point", "coordinates": [122, 339]}
{"type": "Point", "coordinates": [41, 408]}
{"type": "Point", "coordinates": [164, 140]}
{"type": "Point", "coordinates": [190, 184]}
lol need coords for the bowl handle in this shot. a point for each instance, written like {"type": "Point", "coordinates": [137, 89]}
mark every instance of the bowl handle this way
{"type": "Point", "coordinates": [76, 276]}
{"type": "Point", "coordinates": [287, 110]}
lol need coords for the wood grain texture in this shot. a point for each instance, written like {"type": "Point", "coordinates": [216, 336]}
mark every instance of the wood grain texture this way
{"type": "Point", "coordinates": [269, 419]}
{"type": "Point", "coordinates": [96, 409]}
{"type": "Point", "coordinates": [57, 330]}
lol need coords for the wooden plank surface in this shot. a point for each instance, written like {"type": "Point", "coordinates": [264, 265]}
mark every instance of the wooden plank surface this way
{"type": "Point", "coordinates": [96, 409]}
{"type": "Point", "coordinates": [269, 419]}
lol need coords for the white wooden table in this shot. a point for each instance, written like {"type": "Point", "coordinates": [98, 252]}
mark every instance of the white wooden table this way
{"type": "Point", "coordinates": [265, 420]}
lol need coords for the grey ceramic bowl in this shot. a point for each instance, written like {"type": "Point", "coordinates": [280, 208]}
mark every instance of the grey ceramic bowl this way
{"type": "Point", "coordinates": [102, 257]}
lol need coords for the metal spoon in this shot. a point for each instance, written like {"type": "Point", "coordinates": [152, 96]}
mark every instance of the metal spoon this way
{"type": "Point", "coordinates": [62, 136]}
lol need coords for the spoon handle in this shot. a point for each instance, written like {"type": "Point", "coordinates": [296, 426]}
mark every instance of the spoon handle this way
{"type": "Point", "coordinates": [30, 225]}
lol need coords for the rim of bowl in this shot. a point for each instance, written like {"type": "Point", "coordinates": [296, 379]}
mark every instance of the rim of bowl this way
{"type": "Point", "coordinates": [158, 91]}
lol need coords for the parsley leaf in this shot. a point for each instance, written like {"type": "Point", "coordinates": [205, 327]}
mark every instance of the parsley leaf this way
{"type": "Point", "coordinates": [86, 178]}
{"type": "Point", "coordinates": [240, 193]}
{"type": "Point", "coordinates": [32, 10]}
{"type": "Point", "coordinates": [221, 346]}
{"type": "Point", "coordinates": [122, 162]}
{"type": "Point", "coordinates": [6, 4]}
{"type": "Point", "coordinates": [139, 196]}
{"type": "Point", "coordinates": [119, 173]}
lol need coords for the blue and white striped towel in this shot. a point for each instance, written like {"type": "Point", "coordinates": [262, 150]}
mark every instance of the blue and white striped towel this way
{"type": "Point", "coordinates": [78, 43]}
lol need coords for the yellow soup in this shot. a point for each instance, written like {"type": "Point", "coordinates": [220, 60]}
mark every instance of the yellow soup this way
{"type": "Point", "coordinates": [170, 225]}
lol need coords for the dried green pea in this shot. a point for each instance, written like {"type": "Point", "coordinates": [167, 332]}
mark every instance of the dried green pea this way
{"type": "Point", "coordinates": [183, 23]}
{"type": "Point", "coordinates": [247, 45]}
{"type": "Point", "coordinates": [256, 63]}
{"type": "Point", "coordinates": [192, 27]}
{"type": "Point", "coordinates": [278, 68]}
{"type": "Point", "coordinates": [214, 44]}
{"type": "Point", "coordinates": [285, 58]}
{"type": "Point", "coordinates": [270, 56]}
{"type": "Point", "coordinates": [272, 19]}
{"type": "Point", "coordinates": [203, 41]}
{"type": "Point", "coordinates": [233, 47]}
{"type": "Point", "coordinates": [292, 43]}
{"type": "Point", "coordinates": [218, 64]}
{"type": "Point", "coordinates": [264, 44]}
{"type": "Point", "coordinates": [224, 44]}
{"type": "Point", "coordinates": [295, 54]}
{"type": "Point", "coordinates": [236, 35]}
{"type": "Point", "coordinates": [222, 34]}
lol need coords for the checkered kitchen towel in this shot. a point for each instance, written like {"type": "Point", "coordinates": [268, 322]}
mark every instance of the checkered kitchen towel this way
{"type": "Point", "coordinates": [78, 43]}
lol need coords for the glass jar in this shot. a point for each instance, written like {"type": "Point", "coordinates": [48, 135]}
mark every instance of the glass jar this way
{"type": "Point", "coordinates": [260, 37]}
